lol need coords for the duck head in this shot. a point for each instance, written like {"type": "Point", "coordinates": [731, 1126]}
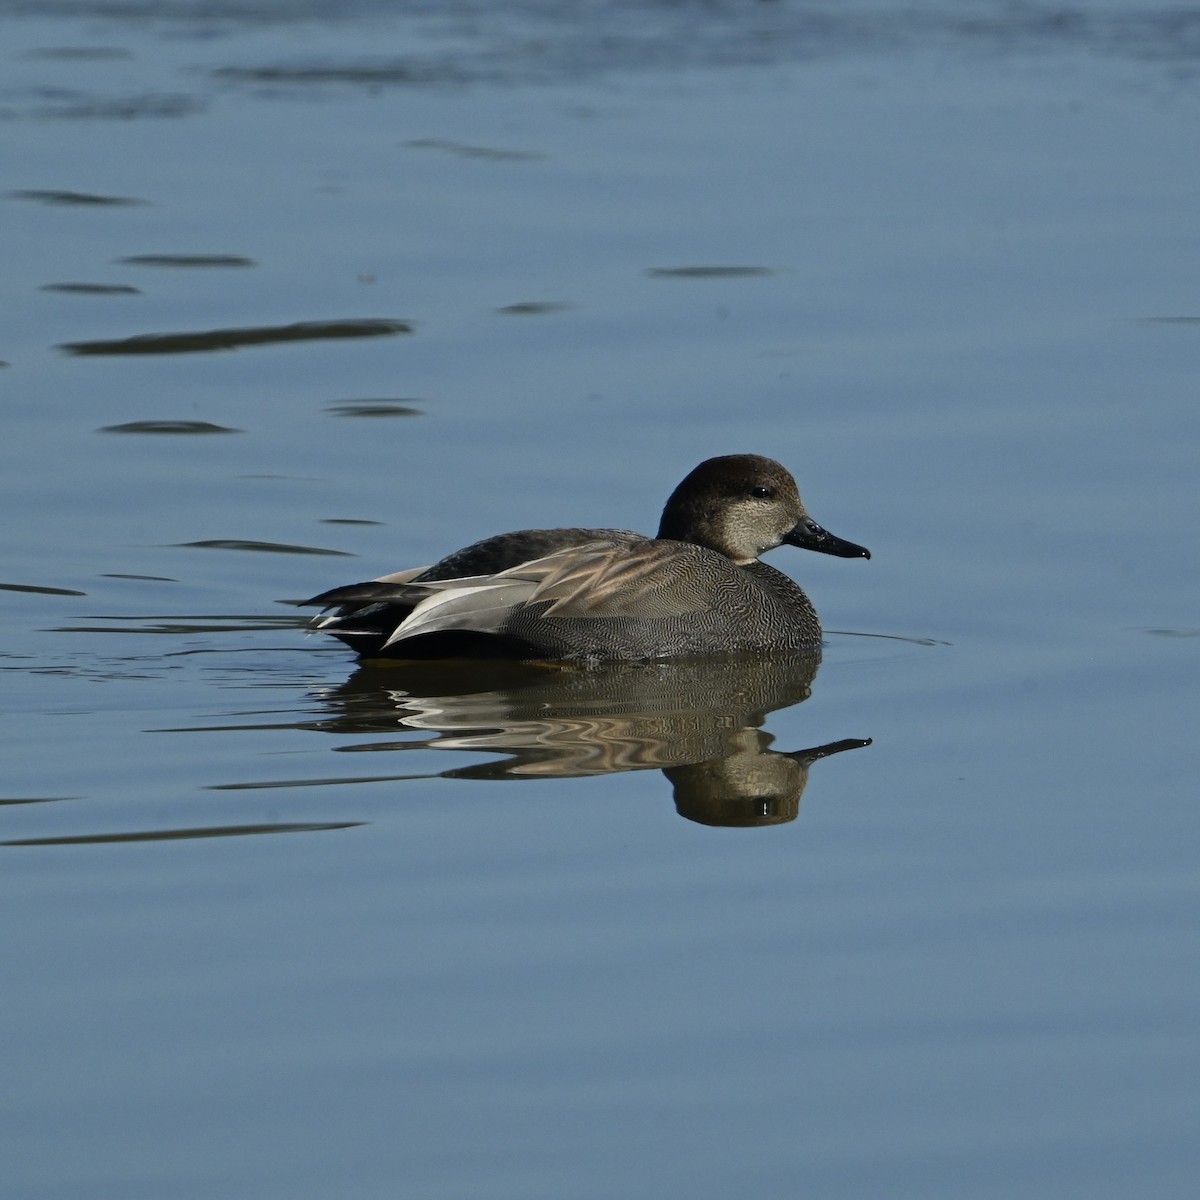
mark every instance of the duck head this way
{"type": "Point", "coordinates": [743, 505]}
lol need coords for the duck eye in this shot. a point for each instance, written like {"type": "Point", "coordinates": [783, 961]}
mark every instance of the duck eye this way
{"type": "Point", "coordinates": [762, 493]}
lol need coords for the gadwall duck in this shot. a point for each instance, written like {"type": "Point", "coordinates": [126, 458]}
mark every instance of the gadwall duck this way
{"type": "Point", "coordinates": [695, 590]}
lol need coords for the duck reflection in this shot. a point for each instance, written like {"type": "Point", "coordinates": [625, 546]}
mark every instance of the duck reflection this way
{"type": "Point", "coordinates": [698, 722]}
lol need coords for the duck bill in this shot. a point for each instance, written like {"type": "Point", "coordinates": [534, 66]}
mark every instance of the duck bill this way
{"type": "Point", "coordinates": [808, 535]}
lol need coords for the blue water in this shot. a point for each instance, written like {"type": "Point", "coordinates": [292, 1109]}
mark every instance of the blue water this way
{"type": "Point", "coordinates": [277, 928]}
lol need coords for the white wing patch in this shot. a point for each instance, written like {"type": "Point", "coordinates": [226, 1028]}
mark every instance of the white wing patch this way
{"type": "Point", "coordinates": [484, 602]}
{"type": "Point", "coordinates": [481, 604]}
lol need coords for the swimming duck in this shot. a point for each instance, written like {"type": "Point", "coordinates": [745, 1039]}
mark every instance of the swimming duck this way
{"type": "Point", "coordinates": [697, 589]}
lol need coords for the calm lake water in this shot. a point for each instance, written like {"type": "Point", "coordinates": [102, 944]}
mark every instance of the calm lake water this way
{"type": "Point", "coordinates": [294, 297]}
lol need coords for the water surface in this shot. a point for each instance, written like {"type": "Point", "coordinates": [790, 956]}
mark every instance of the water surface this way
{"type": "Point", "coordinates": [651, 932]}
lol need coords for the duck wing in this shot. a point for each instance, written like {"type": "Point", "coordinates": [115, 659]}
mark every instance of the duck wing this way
{"type": "Point", "coordinates": [490, 556]}
{"type": "Point", "coordinates": [607, 579]}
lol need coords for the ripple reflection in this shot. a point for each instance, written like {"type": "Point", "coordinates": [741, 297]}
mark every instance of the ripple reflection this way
{"type": "Point", "coordinates": [697, 722]}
